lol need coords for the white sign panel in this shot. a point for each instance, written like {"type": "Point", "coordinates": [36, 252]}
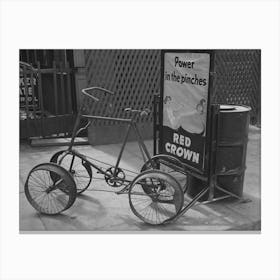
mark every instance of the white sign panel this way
{"type": "Point", "coordinates": [185, 97]}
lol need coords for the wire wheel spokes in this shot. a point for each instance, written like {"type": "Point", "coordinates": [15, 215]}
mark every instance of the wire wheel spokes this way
{"type": "Point", "coordinates": [163, 200]}
{"type": "Point", "coordinates": [77, 167]}
{"type": "Point", "coordinates": [50, 189]}
{"type": "Point", "coordinates": [160, 162]}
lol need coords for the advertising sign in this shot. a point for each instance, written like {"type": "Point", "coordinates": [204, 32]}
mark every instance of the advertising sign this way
{"type": "Point", "coordinates": [32, 97]}
{"type": "Point", "coordinates": [184, 101]}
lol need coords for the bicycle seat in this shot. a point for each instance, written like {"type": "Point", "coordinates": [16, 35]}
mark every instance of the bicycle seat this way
{"type": "Point", "coordinates": [142, 113]}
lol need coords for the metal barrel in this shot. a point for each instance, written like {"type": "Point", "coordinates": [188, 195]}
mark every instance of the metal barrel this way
{"type": "Point", "coordinates": [232, 138]}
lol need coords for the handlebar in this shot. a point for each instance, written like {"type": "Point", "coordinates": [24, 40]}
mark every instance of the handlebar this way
{"type": "Point", "coordinates": [84, 91]}
{"type": "Point", "coordinates": [142, 113]}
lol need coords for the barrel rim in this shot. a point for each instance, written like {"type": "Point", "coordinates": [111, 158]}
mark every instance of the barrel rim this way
{"type": "Point", "coordinates": [235, 110]}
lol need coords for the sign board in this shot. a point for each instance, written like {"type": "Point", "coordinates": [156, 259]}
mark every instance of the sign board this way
{"type": "Point", "coordinates": [185, 78]}
{"type": "Point", "coordinates": [32, 97]}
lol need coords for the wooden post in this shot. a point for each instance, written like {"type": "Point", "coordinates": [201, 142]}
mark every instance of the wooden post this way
{"type": "Point", "coordinates": [80, 74]}
{"type": "Point", "coordinates": [41, 101]}
{"type": "Point", "coordinates": [69, 93]}
{"type": "Point", "coordinates": [62, 90]}
{"type": "Point", "coordinates": [55, 88]}
{"type": "Point", "coordinates": [26, 98]}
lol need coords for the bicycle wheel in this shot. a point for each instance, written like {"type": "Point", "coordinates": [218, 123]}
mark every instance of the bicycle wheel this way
{"type": "Point", "coordinates": [50, 189]}
{"type": "Point", "coordinates": [160, 162]}
{"type": "Point", "coordinates": [77, 167]}
{"type": "Point", "coordinates": [163, 201]}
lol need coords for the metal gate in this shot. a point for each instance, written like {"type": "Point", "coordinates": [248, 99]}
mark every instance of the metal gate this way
{"type": "Point", "coordinates": [47, 100]}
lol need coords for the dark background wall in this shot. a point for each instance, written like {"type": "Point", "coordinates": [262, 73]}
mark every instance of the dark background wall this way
{"type": "Point", "coordinates": [134, 76]}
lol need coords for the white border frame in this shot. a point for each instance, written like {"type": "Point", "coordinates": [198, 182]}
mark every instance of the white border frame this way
{"type": "Point", "coordinates": [153, 24]}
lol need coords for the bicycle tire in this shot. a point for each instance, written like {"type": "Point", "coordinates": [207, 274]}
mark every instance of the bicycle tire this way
{"type": "Point", "coordinates": [159, 206]}
{"type": "Point", "coordinates": [57, 192]}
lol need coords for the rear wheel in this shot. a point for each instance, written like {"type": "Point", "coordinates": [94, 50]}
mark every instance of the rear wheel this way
{"type": "Point", "coordinates": [77, 167]}
{"type": "Point", "coordinates": [164, 163]}
{"type": "Point", "coordinates": [50, 189]}
{"type": "Point", "coordinates": [155, 197]}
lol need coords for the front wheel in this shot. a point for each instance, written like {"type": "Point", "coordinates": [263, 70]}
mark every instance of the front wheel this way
{"type": "Point", "coordinates": [163, 200]}
{"type": "Point", "coordinates": [50, 189]}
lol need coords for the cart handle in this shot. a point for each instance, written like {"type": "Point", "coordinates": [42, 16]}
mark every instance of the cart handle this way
{"type": "Point", "coordinates": [142, 113]}
{"type": "Point", "coordinates": [84, 91]}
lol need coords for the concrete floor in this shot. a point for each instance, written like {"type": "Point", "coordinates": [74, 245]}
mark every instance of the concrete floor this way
{"type": "Point", "coordinates": [98, 210]}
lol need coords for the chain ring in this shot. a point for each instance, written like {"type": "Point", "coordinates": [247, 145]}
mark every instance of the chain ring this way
{"type": "Point", "coordinates": [111, 181]}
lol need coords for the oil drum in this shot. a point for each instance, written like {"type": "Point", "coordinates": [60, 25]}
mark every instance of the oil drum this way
{"type": "Point", "coordinates": [230, 157]}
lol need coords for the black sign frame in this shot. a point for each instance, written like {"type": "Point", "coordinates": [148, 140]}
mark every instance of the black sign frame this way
{"type": "Point", "coordinates": [205, 171]}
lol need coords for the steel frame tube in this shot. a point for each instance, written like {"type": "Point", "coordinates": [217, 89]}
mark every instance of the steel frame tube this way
{"type": "Point", "coordinates": [107, 118]}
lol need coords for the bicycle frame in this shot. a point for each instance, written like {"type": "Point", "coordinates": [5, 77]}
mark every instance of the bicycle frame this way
{"type": "Point", "coordinates": [131, 125]}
